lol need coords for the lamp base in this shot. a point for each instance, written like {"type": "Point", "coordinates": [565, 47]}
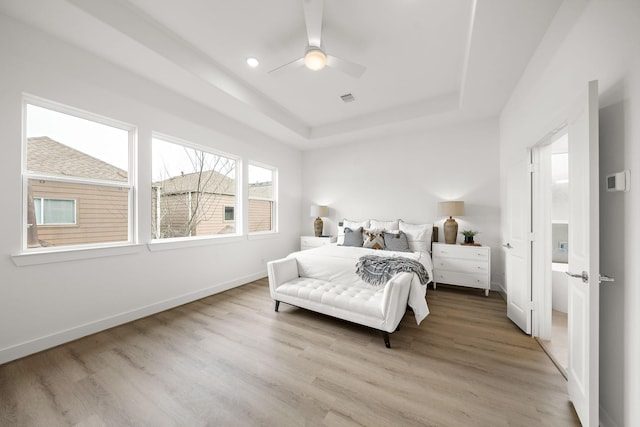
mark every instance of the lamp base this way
{"type": "Point", "coordinates": [450, 231]}
{"type": "Point", "coordinates": [318, 225]}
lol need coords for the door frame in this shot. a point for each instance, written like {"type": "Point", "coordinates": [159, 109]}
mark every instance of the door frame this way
{"type": "Point", "coordinates": [541, 218]}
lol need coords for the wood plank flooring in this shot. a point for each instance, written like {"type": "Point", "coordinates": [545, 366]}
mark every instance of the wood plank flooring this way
{"type": "Point", "coordinates": [230, 360]}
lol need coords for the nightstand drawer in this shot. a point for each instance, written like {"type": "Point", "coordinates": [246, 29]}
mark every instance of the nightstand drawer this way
{"type": "Point", "coordinates": [458, 251]}
{"type": "Point", "coordinates": [464, 279]}
{"type": "Point", "coordinates": [461, 265]}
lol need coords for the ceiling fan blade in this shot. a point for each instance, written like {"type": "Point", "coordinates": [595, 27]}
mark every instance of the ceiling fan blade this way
{"type": "Point", "coordinates": [293, 64]}
{"type": "Point", "coordinates": [313, 19]}
{"type": "Point", "coordinates": [347, 67]}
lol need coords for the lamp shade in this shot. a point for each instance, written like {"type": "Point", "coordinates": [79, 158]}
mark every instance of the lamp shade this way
{"type": "Point", "coordinates": [451, 208]}
{"type": "Point", "coordinates": [318, 210]}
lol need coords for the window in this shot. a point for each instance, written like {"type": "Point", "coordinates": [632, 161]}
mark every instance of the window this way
{"type": "Point", "coordinates": [262, 198]}
{"type": "Point", "coordinates": [54, 211]}
{"type": "Point", "coordinates": [194, 191]}
{"type": "Point", "coordinates": [76, 176]}
{"type": "Point", "coordinates": [229, 212]}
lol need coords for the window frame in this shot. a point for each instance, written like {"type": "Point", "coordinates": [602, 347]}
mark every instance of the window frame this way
{"type": "Point", "coordinates": [171, 242]}
{"type": "Point", "coordinates": [62, 224]}
{"type": "Point", "coordinates": [233, 213]}
{"type": "Point", "coordinates": [26, 175]}
{"type": "Point", "coordinates": [273, 199]}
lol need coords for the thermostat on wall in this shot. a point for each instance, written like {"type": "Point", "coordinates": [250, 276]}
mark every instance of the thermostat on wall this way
{"type": "Point", "coordinates": [619, 181]}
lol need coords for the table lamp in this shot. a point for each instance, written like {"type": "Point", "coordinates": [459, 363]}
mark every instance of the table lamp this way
{"type": "Point", "coordinates": [318, 211]}
{"type": "Point", "coordinates": [450, 209]}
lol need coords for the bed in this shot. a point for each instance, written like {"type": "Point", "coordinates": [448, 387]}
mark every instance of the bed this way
{"type": "Point", "coordinates": [324, 280]}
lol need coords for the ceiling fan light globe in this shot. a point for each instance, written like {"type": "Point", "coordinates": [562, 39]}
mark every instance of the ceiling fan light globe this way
{"type": "Point", "coordinates": [315, 59]}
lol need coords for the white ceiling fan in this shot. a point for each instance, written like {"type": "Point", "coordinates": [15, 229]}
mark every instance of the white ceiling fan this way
{"type": "Point", "coordinates": [315, 58]}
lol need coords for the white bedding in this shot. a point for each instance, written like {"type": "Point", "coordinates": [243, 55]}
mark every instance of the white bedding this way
{"type": "Point", "coordinates": [337, 264]}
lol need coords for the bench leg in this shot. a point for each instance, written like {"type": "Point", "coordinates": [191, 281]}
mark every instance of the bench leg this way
{"type": "Point", "coordinates": [277, 305]}
{"type": "Point", "coordinates": [385, 336]}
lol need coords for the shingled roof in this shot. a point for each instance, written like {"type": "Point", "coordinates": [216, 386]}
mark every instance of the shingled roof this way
{"type": "Point", "coordinates": [210, 182]}
{"type": "Point", "coordinates": [44, 155]}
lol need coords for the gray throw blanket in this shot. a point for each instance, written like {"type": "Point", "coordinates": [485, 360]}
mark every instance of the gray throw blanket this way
{"type": "Point", "coordinates": [376, 270]}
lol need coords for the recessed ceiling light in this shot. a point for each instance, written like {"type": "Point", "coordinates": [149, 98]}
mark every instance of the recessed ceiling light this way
{"type": "Point", "coordinates": [252, 62]}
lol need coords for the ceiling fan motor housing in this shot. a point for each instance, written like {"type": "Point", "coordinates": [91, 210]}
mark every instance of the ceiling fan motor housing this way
{"type": "Point", "coordinates": [314, 58]}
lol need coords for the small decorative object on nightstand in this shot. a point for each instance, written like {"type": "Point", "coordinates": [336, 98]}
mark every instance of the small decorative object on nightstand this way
{"type": "Point", "coordinates": [468, 237]}
{"type": "Point", "coordinates": [450, 225]}
{"type": "Point", "coordinates": [310, 242]}
{"type": "Point", "coordinates": [318, 211]}
{"type": "Point", "coordinates": [462, 265]}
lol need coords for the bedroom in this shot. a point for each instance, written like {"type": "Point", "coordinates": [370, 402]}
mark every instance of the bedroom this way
{"type": "Point", "coordinates": [468, 156]}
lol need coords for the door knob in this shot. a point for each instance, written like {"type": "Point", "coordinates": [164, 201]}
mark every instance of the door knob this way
{"type": "Point", "coordinates": [605, 278]}
{"type": "Point", "coordinates": [584, 276]}
{"type": "Point", "coordinates": [508, 246]}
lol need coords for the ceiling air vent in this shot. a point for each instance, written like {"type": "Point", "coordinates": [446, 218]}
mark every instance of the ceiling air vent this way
{"type": "Point", "coordinates": [347, 97]}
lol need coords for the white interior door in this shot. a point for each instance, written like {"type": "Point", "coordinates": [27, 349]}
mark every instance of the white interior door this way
{"type": "Point", "coordinates": [583, 316]}
{"type": "Point", "coordinates": [518, 246]}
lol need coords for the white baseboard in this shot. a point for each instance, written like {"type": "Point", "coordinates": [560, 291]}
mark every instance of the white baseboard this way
{"type": "Point", "coordinates": [605, 419]}
{"type": "Point", "coordinates": [26, 348]}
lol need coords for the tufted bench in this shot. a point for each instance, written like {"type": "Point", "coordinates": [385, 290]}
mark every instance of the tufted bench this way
{"type": "Point", "coordinates": [381, 307]}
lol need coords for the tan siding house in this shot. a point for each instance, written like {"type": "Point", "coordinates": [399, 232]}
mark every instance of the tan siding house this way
{"type": "Point", "coordinates": [194, 205]}
{"type": "Point", "coordinates": [100, 212]}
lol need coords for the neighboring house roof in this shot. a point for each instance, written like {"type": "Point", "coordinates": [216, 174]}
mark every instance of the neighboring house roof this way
{"type": "Point", "coordinates": [210, 182]}
{"type": "Point", "coordinates": [206, 182]}
{"type": "Point", "coordinates": [261, 189]}
{"type": "Point", "coordinates": [44, 155]}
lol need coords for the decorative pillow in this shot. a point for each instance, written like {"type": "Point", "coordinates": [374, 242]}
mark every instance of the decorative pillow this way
{"type": "Point", "coordinates": [396, 242]}
{"type": "Point", "coordinates": [373, 239]}
{"type": "Point", "coordinates": [352, 237]}
{"type": "Point", "coordinates": [352, 225]}
{"type": "Point", "coordinates": [418, 235]}
{"type": "Point", "coordinates": [374, 224]}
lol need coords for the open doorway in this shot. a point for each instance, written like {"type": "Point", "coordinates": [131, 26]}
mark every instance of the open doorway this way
{"type": "Point", "coordinates": [550, 247]}
{"type": "Point", "coordinates": [556, 343]}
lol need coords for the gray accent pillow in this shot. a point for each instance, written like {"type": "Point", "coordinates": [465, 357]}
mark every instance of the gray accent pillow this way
{"type": "Point", "coordinates": [352, 237]}
{"type": "Point", "coordinates": [396, 242]}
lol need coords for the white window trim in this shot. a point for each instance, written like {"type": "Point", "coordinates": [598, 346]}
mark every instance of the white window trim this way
{"type": "Point", "coordinates": [172, 243]}
{"type": "Point", "coordinates": [71, 252]}
{"type": "Point", "coordinates": [187, 241]}
{"type": "Point", "coordinates": [273, 199]}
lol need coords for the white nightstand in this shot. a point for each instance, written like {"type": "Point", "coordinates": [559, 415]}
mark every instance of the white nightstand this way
{"type": "Point", "coordinates": [309, 242]}
{"type": "Point", "coordinates": [462, 265]}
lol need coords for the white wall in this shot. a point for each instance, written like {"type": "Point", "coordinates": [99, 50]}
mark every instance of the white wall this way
{"type": "Point", "coordinates": [405, 177]}
{"type": "Point", "coordinates": [603, 44]}
{"type": "Point", "coordinates": [43, 305]}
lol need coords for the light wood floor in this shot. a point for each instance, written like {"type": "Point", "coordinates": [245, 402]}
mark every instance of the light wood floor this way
{"type": "Point", "coordinates": [230, 360]}
{"type": "Point", "coordinates": [558, 346]}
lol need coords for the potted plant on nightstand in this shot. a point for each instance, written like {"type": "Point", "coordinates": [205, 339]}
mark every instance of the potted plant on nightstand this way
{"type": "Point", "coordinates": [468, 236]}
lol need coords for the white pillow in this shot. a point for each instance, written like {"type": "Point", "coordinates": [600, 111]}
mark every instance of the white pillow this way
{"type": "Point", "coordinates": [418, 235]}
{"type": "Point", "coordinates": [352, 225]}
{"type": "Point", "coordinates": [374, 224]}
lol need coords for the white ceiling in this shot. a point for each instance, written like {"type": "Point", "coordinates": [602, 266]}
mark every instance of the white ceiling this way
{"type": "Point", "coordinates": [429, 62]}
